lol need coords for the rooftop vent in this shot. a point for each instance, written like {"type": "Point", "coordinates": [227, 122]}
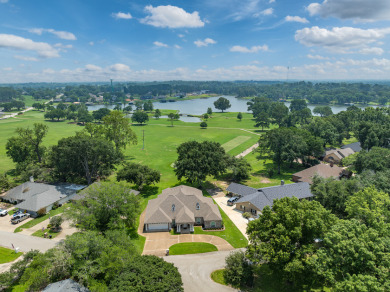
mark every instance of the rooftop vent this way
{"type": "Point", "coordinates": [282, 182]}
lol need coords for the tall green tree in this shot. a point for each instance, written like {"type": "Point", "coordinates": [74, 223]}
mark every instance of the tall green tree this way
{"type": "Point", "coordinates": [117, 128]}
{"type": "Point", "coordinates": [222, 104]}
{"type": "Point", "coordinates": [284, 236]}
{"type": "Point", "coordinates": [157, 114]}
{"type": "Point", "coordinates": [140, 117]}
{"type": "Point", "coordinates": [140, 175]}
{"type": "Point", "coordinates": [82, 156]}
{"type": "Point", "coordinates": [99, 114]}
{"type": "Point", "coordinates": [278, 112]}
{"type": "Point", "coordinates": [323, 111]}
{"type": "Point", "coordinates": [28, 142]}
{"type": "Point", "coordinates": [197, 160]}
{"type": "Point", "coordinates": [105, 206]}
{"type": "Point", "coordinates": [173, 117]}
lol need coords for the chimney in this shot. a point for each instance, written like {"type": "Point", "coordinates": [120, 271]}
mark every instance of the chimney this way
{"type": "Point", "coordinates": [31, 179]}
{"type": "Point", "coordinates": [331, 164]}
{"type": "Point", "coordinates": [282, 182]}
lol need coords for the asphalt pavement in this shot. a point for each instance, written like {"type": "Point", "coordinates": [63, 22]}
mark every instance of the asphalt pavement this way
{"type": "Point", "coordinates": [25, 242]}
{"type": "Point", "coordinates": [195, 270]}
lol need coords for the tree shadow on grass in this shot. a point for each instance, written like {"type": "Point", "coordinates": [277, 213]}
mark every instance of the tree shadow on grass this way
{"type": "Point", "coordinates": [148, 191]}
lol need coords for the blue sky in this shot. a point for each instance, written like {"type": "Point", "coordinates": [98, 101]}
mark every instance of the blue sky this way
{"type": "Point", "coordinates": [95, 40]}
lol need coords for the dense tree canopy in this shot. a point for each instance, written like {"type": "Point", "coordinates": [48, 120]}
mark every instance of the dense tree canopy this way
{"type": "Point", "coordinates": [105, 206]}
{"type": "Point", "coordinates": [197, 160]}
{"type": "Point", "coordinates": [82, 156]}
{"type": "Point", "coordinates": [284, 236]}
{"type": "Point", "coordinates": [140, 175]}
{"type": "Point", "coordinates": [140, 117]}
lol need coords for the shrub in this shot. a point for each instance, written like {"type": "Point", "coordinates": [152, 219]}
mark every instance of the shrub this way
{"type": "Point", "coordinates": [246, 215]}
{"type": "Point", "coordinates": [55, 223]}
{"type": "Point", "coordinates": [203, 125]}
{"type": "Point", "coordinates": [238, 271]}
{"type": "Point", "coordinates": [41, 212]}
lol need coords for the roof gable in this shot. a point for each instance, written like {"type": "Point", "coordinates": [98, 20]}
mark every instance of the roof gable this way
{"type": "Point", "coordinates": [240, 189]}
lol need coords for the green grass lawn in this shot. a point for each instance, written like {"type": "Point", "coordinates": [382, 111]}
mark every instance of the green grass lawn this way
{"type": "Point", "coordinates": [38, 220]}
{"type": "Point", "coordinates": [41, 233]}
{"type": "Point", "coordinates": [231, 233]}
{"type": "Point", "coordinates": [217, 276]}
{"type": "Point", "coordinates": [8, 255]}
{"type": "Point", "coordinates": [191, 248]}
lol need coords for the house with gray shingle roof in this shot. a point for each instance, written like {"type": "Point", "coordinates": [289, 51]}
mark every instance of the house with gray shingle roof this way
{"type": "Point", "coordinates": [255, 202]}
{"type": "Point", "coordinates": [67, 285]}
{"type": "Point", "coordinates": [33, 197]}
{"type": "Point", "coordinates": [181, 207]}
{"type": "Point", "coordinates": [356, 147]}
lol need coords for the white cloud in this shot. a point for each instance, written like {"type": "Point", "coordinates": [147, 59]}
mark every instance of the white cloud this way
{"type": "Point", "coordinates": [372, 51]}
{"type": "Point", "coordinates": [339, 37]}
{"type": "Point", "coordinates": [361, 10]}
{"type": "Point", "coordinates": [205, 42]}
{"type": "Point", "coordinates": [120, 68]}
{"type": "Point", "coordinates": [177, 46]}
{"type": "Point", "coordinates": [91, 67]}
{"type": "Point", "coordinates": [289, 18]}
{"type": "Point", "coordinates": [122, 15]}
{"type": "Point", "coordinates": [3, 1]}
{"type": "Point", "coordinates": [181, 35]}
{"type": "Point", "coordinates": [253, 49]}
{"type": "Point", "coordinates": [172, 17]}
{"type": "Point", "coordinates": [91, 43]}
{"type": "Point", "coordinates": [62, 46]}
{"type": "Point", "coordinates": [7, 68]}
{"type": "Point", "coordinates": [44, 50]}
{"type": "Point", "coordinates": [271, 1]}
{"type": "Point", "coordinates": [317, 57]}
{"type": "Point", "coordinates": [65, 35]}
{"type": "Point", "coordinates": [26, 58]}
{"type": "Point", "coordinates": [268, 11]}
{"type": "Point", "coordinates": [350, 69]}
{"type": "Point", "coordinates": [160, 44]}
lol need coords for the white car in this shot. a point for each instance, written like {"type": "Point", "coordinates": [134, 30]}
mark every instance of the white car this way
{"type": "Point", "coordinates": [3, 212]}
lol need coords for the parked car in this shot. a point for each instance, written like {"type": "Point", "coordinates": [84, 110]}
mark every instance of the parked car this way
{"type": "Point", "coordinates": [232, 200]}
{"type": "Point", "coordinates": [17, 213]}
{"type": "Point", "coordinates": [3, 212]}
{"type": "Point", "coordinates": [18, 218]}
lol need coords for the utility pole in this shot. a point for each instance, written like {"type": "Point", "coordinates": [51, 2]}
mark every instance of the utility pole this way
{"type": "Point", "coordinates": [143, 139]}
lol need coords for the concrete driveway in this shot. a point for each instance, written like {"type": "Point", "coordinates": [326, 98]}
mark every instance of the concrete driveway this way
{"type": "Point", "coordinates": [6, 225]}
{"type": "Point", "coordinates": [234, 215]}
{"type": "Point", "coordinates": [158, 242]}
{"type": "Point", "coordinates": [195, 270]}
{"type": "Point", "coordinates": [25, 242]}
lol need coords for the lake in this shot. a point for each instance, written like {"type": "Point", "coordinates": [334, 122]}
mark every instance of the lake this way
{"type": "Point", "coordinates": [199, 106]}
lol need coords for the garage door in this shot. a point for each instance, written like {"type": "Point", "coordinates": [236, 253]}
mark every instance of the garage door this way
{"type": "Point", "coordinates": [158, 226]}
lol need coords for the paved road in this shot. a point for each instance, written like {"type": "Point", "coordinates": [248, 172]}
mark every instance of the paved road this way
{"type": "Point", "coordinates": [195, 270]}
{"type": "Point", "coordinates": [247, 151]}
{"type": "Point", "coordinates": [25, 242]}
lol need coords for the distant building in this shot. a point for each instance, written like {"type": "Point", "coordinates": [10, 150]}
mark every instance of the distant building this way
{"type": "Point", "coordinates": [323, 170]}
{"type": "Point", "coordinates": [356, 147]}
{"type": "Point", "coordinates": [336, 155]}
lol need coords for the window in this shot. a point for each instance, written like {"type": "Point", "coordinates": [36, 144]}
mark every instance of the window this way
{"type": "Point", "coordinates": [173, 207]}
{"type": "Point", "coordinates": [198, 220]}
{"type": "Point", "coordinates": [212, 224]}
{"type": "Point", "coordinates": [197, 206]}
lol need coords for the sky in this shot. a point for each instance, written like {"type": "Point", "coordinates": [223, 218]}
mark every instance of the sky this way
{"type": "Point", "coordinates": [149, 40]}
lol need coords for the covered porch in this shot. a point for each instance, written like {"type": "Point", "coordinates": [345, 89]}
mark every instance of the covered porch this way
{"type": "Point", "coordinates": [184, 228]}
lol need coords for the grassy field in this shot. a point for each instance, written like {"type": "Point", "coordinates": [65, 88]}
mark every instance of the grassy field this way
{"type": "Point", "coordinates": [191, 248]}
{"type": "Point", "coordinates": [38, 220]}
{"type": "Point", "coordinates": [8, 255]}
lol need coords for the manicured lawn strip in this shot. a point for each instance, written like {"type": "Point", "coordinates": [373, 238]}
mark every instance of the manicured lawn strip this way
{"type": "Point", "coordinates": [217, 276]}
{"type": "Point", "coordinates": [38, 220]}
{"type": "Point", "coordinates": [235, 142]}
{"type": "Point", "coordinates": [191, 248]}
{"type": "Point", "coordinates": [8, 255]}
{"type": "Point", "coordinates": [41, 233]}
{"type": "Point", "coordinates": [231, 233]}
